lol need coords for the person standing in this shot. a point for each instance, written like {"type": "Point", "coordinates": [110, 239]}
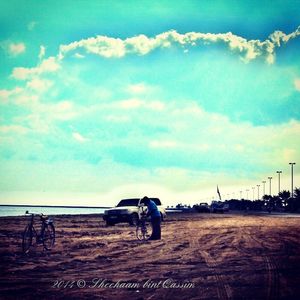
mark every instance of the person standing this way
{"type": "Point", "coordinates": [154, 213]}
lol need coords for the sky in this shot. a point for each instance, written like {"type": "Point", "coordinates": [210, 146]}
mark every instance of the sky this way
{"type": "Point", "coordinates": [103, 100]}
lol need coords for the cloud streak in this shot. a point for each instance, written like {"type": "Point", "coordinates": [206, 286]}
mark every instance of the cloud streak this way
{"type": "Point", "coordinates": [248, 50]}
{"type": "Point", "coordinates": [78, 137]}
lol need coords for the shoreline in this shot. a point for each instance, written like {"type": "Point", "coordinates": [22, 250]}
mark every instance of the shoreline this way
{"type": "Point", "coordinates": [52, 206]}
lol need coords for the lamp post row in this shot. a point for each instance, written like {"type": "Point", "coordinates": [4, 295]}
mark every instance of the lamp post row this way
{"type": "Point", "coordinates": [270, 184]}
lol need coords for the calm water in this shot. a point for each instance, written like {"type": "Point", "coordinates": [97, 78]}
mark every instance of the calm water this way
{"type": "Point", "coordinates": [53, 210]}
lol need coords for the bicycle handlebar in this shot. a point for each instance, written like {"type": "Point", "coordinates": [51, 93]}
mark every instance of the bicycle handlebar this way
{"type": "Point", "coordinates": [34, 214]}
{"type": "Point", "coordinates": [41, 215]}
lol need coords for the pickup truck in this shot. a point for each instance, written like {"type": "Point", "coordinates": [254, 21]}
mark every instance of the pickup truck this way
{"type": "Point", "coordinates": [128, 210]}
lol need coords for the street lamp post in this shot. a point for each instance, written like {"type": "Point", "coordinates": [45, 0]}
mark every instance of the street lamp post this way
{"type": "Point", "coordinates": [270, 178]}
{"type": "Point", "coordinates": [292, 178]}
{"type": "Point", "coordinates": [241, 194]}
{"type": "Point", "coordinates": [247, 194]}
{"type": "Point", "coordinates": [264, 185]}
{"type": "Point", "coordinates": [258, 185]}
{"type": "Point", "coordinates": [278, 172]}
{"type": "Point", "coordinates": [253, 188]}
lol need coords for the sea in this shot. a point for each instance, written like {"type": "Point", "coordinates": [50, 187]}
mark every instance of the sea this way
{"type": "Point", "coordinates": [19, 210]}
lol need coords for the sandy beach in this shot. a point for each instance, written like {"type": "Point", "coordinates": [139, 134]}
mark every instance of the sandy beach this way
{"type": "Point", "coordinates": [200, 256]}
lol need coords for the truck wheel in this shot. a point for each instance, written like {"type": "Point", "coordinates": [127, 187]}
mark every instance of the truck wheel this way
{"type": "Point", "coordinates": [134, 219]}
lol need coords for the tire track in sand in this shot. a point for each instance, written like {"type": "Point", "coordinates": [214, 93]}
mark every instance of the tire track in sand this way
{"type": "Point", "coordinates": [272, 270]}
{"type": "Point", "coordinates": [224, 291]}
{"type": "Point", "coordinates": [273, 277]}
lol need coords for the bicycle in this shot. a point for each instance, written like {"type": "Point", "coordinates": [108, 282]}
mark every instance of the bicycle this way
{"type": "Point", "coordinates": [143, 231]}
{"type": "Point", "coordinates": [46, 236]}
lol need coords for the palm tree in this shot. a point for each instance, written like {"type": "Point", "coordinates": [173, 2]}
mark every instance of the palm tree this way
{"type": "Point", "coordinates": [284, 196]}
{"type": "Point", "coordinates": [268, 202]}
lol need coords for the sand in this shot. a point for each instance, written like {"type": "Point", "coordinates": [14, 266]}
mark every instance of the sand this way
{"type": "Point", "coordinates": [200, 256]}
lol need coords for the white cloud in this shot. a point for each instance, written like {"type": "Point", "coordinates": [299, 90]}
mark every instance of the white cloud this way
{"type": "Point", "coordinates": [136, 103]}
{"type": "Point", "coordinates": [43, 116]}
{"type": "Point", "coordinates": [63, 111]}
{"type": "Point", "coordinates": [155, 105]}
{"type": "Point", "coordinates": [162, 144]}
{"type": "Point", "coordinates": [39, 85]}
{"type": "Point", "coordinates": [138, 88]}
{"type": "Point", "coordinates": [130, 103]}
{"type": "Point", "coordinates": [13, 48]}
{"type": "Point", "coordinates": [78, 137]}
{"type": "Point", "coordinates": [279, 37]}
{"type": "Point", "coordinates": [25, 99]}
{"type": "Point", "coordinates": [297, 84]}
{"type": "Point", "coordinates": [6, 94]}
{"type": "Point", "coordinates": [101, 45]}
{"type": "Point", "coordinates": [46, 66]}
{"type": "Point", "coordinates": [142, 45]}
{"type": "Point", "coordinates": [49, 65]}
{"type": "Point", "coordinates": [42, 52]}
{"type": "Point", "coordinates": [13, 129]}
{"type": "Point", "coordinates": [17, 48]}
{"type": "Point", "coordinates": [78, 55]}
{"type": "Point", "coordinates": [23, 73]}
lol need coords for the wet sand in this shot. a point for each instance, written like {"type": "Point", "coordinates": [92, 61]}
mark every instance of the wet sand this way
{"type": "Point", "coordinates": [200, 256]}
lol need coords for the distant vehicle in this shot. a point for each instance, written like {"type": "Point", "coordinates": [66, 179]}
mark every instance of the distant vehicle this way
{"type": "Point", "coordinates": [226, 207]}
{"type": "Point", "coordinates": [128, 210]}
{"type": "Point", "coordinates": [217, 207]}
{"type": "Point", "coordinates": [184, 208]}
{"type": "Point", "coordinates": [202, 208]}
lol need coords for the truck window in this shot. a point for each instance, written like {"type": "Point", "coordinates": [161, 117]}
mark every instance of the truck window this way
{"type": "Point", "coordinates": [128, 202]}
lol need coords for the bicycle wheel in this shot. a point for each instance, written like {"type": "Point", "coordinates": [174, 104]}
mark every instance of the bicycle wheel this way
{"type": "Point", "coordinates": [48, 236]}
{"type": "Point", "coordinates": [27, 239]}
{"type": "Point", "coordinates": [143, 231]}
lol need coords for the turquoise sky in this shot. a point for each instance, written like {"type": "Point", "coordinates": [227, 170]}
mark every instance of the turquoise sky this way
{"type": "Point", "coordinates": [101, 100]}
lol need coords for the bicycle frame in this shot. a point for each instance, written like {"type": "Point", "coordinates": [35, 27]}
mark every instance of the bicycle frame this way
{"type": "Point", "coordinates": [31, 225]}
{"type": "Point", "coordinates": [141, 229]}
{"type": "Point", "coordinates": [34, 231]}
